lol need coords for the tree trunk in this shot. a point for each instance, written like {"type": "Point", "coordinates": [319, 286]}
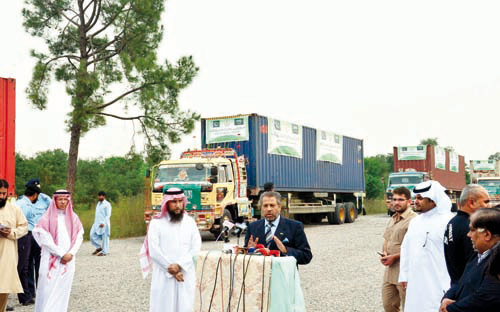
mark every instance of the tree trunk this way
{"type": "Point", "coordinates": [73, 157]}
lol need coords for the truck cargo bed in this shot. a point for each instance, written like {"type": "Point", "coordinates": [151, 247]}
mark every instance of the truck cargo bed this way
{"type": "Point", "coordinates": [306, 174]}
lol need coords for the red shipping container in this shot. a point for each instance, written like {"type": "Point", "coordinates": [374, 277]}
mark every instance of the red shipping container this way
{"type": "Point", "coordinates": [451, 180]}
{"type": "Point", "coordinates": [8, 132]}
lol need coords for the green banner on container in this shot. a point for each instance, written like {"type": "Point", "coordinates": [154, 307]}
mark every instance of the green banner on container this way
{"type": "Point", "coordinates": [412, 152]}
{"type": "Point", "coordinates": [440, 157]}
{"type": "Point", "coordinates": [229, 129]}
{"type": "Point", "coordinates": [329, 146]}
{"type": "Point", "coordinates": [454, 165]}
{"type": "Point", "coordinates": [284, 138]}
{"type": "Point", "coordinates": [483, 165]}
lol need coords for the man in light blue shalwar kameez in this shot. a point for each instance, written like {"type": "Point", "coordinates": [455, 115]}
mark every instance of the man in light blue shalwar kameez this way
{"type": "Point", "coordinates": [101, 229]}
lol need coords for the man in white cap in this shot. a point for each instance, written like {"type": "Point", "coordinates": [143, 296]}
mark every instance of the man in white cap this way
{"type": "Point", "coordinates": [171, 242]}
{"type": "Point", "coordinates": [423, 270]}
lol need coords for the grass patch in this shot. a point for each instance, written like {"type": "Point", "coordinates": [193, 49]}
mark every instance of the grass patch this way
{"type": "Point", "coordinates": [127, 217]}
{"type": "Point", "coordinates": [375, 206]}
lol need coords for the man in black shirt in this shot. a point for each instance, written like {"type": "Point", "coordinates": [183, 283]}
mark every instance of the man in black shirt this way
{"type": "Point", "coordinates": [457, 246]}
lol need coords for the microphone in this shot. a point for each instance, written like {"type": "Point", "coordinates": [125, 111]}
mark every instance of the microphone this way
{"type": "Point", "coordinates": [240, 227]}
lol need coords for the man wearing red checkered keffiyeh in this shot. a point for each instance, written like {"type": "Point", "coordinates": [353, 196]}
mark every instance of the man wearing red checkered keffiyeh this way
{"type": "Point", "coordinates": [170, 244]}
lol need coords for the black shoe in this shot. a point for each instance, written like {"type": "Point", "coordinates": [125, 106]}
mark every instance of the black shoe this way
{"type": "Point", "coordinates": [9, 308]}
{"type": "Point", "coordinates": [29, 302]}
{"type": "Point", "coordinates": [98, 250]}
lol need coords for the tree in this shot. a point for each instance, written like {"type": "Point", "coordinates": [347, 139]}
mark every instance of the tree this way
{"type": "Point", "coordinates": [97, 47]}
{"type": "Point", "coordinates": [48, 166]}
{"type": "Point", "coordinates": [495, 156]}
{"type": "Point", "coordinates": [376, 168]}
{"type": "Point", "coordinates": [429, 141]}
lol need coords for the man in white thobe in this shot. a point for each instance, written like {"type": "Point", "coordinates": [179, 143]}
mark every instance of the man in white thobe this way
{"type": "Point", "coordinates": [422, 266]}
{"type": "Point", "coordinates": [101, 229]}
{"type": "Point", "coordinates": [172, 241]}
{"type": "Point", "coordinates": [60, 234]}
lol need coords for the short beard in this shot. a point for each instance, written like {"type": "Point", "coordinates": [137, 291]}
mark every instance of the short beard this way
{"type": "Point", "coordinates": [174, 218]}
{"type": "Point", "coordinates": [3, 202]}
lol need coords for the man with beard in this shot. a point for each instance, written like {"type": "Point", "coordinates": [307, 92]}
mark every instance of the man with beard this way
{"type": "Point", "coordinates": [393, 295]}
{"type": "Point", "coordinates": [101, 229]}
{"type": "Point", "coordinates": [423, 267]}
{"type": "Point", "coordinates": [457, 246]}
{"type": "Point", "coordinates": [171, 242]}
{"type": "Point", "coordinates": [24, 244]}
{"type": "Point", "coordinates": [13, 225]}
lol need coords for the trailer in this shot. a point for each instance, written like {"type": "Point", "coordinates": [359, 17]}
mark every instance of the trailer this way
{"type": "Point", "coordinates": [415, 164]}
{"type": "Point", "coordinates": [8, 132]}
{"type": "Point", "coordinates": [487, 174]}
{"type": "Point", "coordinates": [319, 173]}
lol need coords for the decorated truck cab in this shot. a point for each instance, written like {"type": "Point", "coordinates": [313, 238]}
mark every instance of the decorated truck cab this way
{"type": "Point", "coordinates": [214, 181]}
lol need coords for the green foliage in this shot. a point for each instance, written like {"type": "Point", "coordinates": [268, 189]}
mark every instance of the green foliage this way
{"type": "Point", "coordinates": [495, 156]}
{"type": "Point", "coordinates": [48, 166]}
{"type": "Point", "coordinates": [429, 141]}
{"type": "Point", "coordinates": [375, 206]}
{"type": "Point", "coordinates": [376, 168]}
{"type": "Point", "coordinates": [127, 217]}
{"type": "Point", "coordinates": [119, 177]}
{"type": "Point", "coordinates": [122, 178]}
{"type": "Point", "coordinates": [106, 54]}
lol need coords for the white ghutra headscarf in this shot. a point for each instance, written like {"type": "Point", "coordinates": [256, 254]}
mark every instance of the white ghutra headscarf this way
{"type": "Point", "coordinates": [435, 192]}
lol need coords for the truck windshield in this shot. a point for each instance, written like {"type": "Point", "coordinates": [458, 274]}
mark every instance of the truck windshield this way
{"type": "Point", "coordinates": [410, 179]}
{"type": "Point", "coordinates": [492, 186]}
{"type": "Point", "coordinates": [182, 173]}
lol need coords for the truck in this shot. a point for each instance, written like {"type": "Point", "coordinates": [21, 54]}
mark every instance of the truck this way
{"type": "Point", "coordinates": [318, 173]}
{"type": "Point", "coordinates": [416, 164]}
{"type": "Point", "coordinates": [8, 132]}
{"type": "Point", "coordinates": [487, 174]}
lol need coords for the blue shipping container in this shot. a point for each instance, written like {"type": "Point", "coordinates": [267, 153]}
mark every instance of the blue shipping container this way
{"type": "Point", "coordinates": [290, 174]}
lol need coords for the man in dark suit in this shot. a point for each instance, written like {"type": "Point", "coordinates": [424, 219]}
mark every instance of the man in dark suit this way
{"type": "Point", "coordinates": [478, 290]}
{"type": "Point", "coordinates": [276, 232]}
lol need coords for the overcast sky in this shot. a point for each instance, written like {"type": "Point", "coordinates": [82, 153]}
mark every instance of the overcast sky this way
{"type": "Point", "coordinates": [388, 72]}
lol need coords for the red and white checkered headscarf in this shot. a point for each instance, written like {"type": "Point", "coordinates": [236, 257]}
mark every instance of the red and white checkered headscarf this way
{"type": "Point", "coordinates": [48, 222]}
{"type": "Point", "coordinates": [170, 195]}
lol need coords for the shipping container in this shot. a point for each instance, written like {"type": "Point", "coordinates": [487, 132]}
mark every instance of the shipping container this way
{"type": "Point", "coordinates": [293, 174]}
{"type": "Point", "coordinates": [451, 180]}
{"type": "Point", "coordinates": [318, 173]}
{"type": "Point", "coordinates": [7, 131]}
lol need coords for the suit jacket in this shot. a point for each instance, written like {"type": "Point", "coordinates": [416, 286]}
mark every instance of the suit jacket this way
{"type": "Point", "coordinates": [290, 232]}
{"type": "Point", "coordinates": [476, 290]}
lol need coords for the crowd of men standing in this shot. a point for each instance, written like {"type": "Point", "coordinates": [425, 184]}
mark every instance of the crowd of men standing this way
{"type": "Point", "coordinates": [436, 261]}
{"type": "Point", "coordinates": [40, 236]}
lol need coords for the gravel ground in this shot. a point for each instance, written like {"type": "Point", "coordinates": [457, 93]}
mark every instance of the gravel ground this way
{"type": "Point", "coordinates": [344, 275]}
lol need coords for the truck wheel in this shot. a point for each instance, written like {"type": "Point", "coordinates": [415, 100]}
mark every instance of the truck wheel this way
{"type": "Point", "coordinates": [337, 217]}
{"type": "Point", "coordinates": [350, 212]}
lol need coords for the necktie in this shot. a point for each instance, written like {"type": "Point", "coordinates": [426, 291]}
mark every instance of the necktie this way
{"type": "Point", "coordinates": [269, 234]}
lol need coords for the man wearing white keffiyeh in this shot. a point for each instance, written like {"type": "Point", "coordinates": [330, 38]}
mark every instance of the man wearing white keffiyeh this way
{"type": "Point", "coordinates": [172, 241]}
{"type": "Point", "coordinates": [422, 266]}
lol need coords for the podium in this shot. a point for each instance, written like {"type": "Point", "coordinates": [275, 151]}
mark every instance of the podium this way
{"type": "Point", "coordinates": [246, 283]}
